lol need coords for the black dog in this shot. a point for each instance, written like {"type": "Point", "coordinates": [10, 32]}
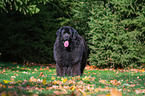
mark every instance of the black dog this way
{"type": "Point", "coordinates": [70, 52]}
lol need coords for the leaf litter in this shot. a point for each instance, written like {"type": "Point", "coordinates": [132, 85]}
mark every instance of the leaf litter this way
{"type": "Point", "coordinates": [76, 85]}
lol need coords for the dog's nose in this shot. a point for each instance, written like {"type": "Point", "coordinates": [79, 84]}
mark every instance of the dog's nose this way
{"type": "Point", "coordinates": [66, 36]}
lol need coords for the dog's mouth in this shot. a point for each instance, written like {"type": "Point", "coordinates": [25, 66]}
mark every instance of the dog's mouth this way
{"type": "Point", "coordinates": [66, 43]}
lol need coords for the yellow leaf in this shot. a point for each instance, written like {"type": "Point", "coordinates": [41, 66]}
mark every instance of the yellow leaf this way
{"type": "Point", "coordinates": [143, 70]}
{"type": "Point", "coordinates": [64, 80]}
{"type": "Point", "coordinates": [52, 78]}
{"type": "Point", "coordinates": [55, 82]}
{"type": "Point", "coordinates": [6, 81]}
{"type": "Point", "coordinates": [85, 78]}
{"type": "Point", "coordinates": [96, 90]}
{"type": "Point", "coordinates": [72, 88]}
{"type": "Point", "coordinates": [108, 94]}
{"type": "Point", "coordinates": [3, 93]}
{"type": "Point", "coordinates": [44, 81]}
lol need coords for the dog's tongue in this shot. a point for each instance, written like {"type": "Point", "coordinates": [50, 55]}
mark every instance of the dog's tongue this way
{"type": "Point", "coordinates": [66, 44]}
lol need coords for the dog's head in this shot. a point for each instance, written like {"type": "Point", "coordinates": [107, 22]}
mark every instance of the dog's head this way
{"type": "Point", "coordinates": [66, 35]}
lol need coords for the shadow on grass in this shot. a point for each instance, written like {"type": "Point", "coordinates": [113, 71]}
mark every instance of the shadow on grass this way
{"type": "Point", "coordinates": [14, 67]}
{"type": "Point", "coordinates": [24, 88]}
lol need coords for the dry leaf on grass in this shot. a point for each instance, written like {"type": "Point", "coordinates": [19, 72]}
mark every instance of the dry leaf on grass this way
{"type": "Point", "coordinates": [32, 79]}
{"type": "Point", "coordinates": [115, 92]}
{"type": "Point", "coordinates": [103, 82]}
{"type": "Point", "coordinates": [115, 82]}
{"type": "Point", "coordinates": [41, 75]}
{"type": "Point", "coordinates": [58, 92]}
{"type": "Point", "coordinates": [44, 81]}
{"type": "Point", "coordinates": [82, 91]}
{"type": "Point", "coordinates": [140, 91]}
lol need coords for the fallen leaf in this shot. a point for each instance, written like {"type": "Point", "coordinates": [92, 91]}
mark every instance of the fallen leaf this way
{"type": "Point", "coordinates": [25, 72]}
{"type": "Point", "coordinates": [82, 91]}
{"type": "Point", "coordinates": [6, 81]}
{"type": "Point", "coordinates": [115, 92]}
{"type": "Point", "coordinates": [35, 69]}
{"type": "Point", "coordinates": [10, 87]}
{"type": "Point", "coordinates": [66, 87]}
{"type": "Point", "coordinates": [44, 81]}
{"type": "Point", "coordinates": [52, 78]}
{"type": "Point", "coordinates": [103, 81]}
{"type": "Point", "coordinates": [3, 71]}
{"type": "Point", "coordinates": [41, 69]}
{"type": "Point", "coordinates": [72, 88]}
{"type": "Point", "coordinates": [132, 85]}
{"type": "Point", "coordinates": [16, 74]}
{"type": "Point", "coordinates": [140, 91]}
{"type": "Point", "coordinates": [102, 89]}
{"type": "Point", "coordinates": [54, 82]}
{"type": "Point", "coordinates": [34, 95]}
{"type": "Point", "coordinates": [116, 73]}
{"type": "Point", "coordinates": [13, 76]}
{"type": "Point", "coordinates": [64, 90]}
{"type": "Point", "coordinates": [41, 74]}
{"type": "Point", "coordinates": [3, 93]}
{"type": "Point", "coordinates": [32, 79]}
{"type": "Point", "coordinates": [58, 92]}
{"type": "Point", "coordinates": [4, 86]}
{"type": "Point", "coordinates": [108, 94]}
{"type": "Point", "coordinates": [64, 79]}
{"type": "Point", "coordinates": [115, 82]}
{"type": "Point", "coordinates": [38, 80]}
{"type": "Point", "coordinates": [85, 78]}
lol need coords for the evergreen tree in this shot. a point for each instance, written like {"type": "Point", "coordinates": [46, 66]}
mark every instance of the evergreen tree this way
{"type": "Point", "coordinates": [116, 35]}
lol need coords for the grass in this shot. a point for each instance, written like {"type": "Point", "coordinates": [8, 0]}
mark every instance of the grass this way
{"type": "Point", "coordinates": [16, 79]}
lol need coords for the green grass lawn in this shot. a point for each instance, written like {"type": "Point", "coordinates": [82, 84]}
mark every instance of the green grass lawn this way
{"type": "Point", "coordinates": [16, 79]}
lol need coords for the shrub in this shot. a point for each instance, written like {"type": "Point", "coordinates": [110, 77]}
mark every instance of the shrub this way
{"type": "Point", "coordinates": [116, 36]}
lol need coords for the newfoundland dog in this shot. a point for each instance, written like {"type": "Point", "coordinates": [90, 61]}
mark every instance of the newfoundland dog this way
{"type": "Point", "coordinates": [70, 52]}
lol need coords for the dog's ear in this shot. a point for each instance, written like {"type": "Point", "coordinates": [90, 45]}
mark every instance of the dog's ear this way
{"type": "Point", "coordinates": [75, 33]}
{"type": "Point", "coordinates": [58, 32]}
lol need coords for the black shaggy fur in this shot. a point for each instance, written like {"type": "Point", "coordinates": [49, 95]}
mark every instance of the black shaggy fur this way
{"type": "Point", "coordinates": [70, 60]}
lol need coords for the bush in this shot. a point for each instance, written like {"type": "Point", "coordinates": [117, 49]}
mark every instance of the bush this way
{"type": "Point", "coordinates": [116, 36]}
{"type": "Point", "coordinates": [31, 38]}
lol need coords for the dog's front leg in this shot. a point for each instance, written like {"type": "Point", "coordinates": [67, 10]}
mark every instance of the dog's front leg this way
{"type": "Point", "coordinates": [75, 70]}
{"type": "Point", "coordinates": [59, 70]}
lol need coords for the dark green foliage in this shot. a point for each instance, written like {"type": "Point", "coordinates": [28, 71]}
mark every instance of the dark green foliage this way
{"type": "Point", "coordinates": [23, 6]}
{"type": "Point", "coordinates": [30, 38]}
{"type": "Point", "coordinates": [116, 35]}
{"type": "Point", "coordinates": [79, 20]}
